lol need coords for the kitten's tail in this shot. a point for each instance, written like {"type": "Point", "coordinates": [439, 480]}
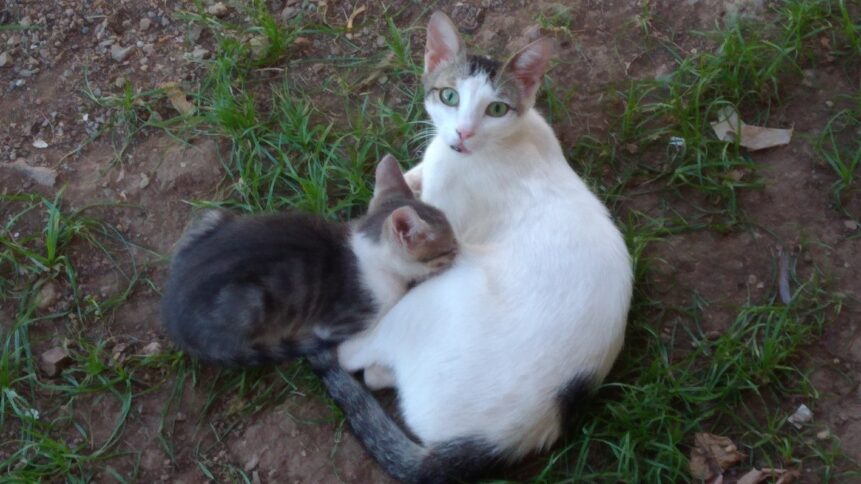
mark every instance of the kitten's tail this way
{"type": "Point", "coordinates": [397, 454]}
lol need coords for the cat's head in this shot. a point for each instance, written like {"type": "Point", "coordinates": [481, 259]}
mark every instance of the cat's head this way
{"type": "Point", "coordinates": [417, 237]}
{"type": "Point", "coordinates": [475, 101]}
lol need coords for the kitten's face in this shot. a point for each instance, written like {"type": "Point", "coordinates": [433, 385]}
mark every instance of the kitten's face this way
{"type": "Point", "coordinates": [474, 101]}
{"type": "Point", "coordinates": [417, 237]}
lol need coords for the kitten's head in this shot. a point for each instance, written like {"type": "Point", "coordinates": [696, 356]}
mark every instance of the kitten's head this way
{"type": "Point", "coordinates": [472, 100]}
{"type": "Point", "coordinates": [417, 236]}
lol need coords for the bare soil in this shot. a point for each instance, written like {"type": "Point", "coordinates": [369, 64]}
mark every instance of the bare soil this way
{"type": "Point", "coordinates": [295, 440]}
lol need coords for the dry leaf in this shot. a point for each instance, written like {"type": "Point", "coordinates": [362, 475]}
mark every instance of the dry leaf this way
{"type": "Point", "coordinates": [177, 97]}
{"type": "Point", "coordinates": [712, 455]}
{"type": "Point", "coordinates": [751, 137]}
{"type": "Point", "coordinates": [755, 476]}
{"type": "Point", "coordinates": [353, 16]}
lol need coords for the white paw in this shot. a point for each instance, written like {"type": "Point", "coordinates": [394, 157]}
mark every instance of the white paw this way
{"type": "Point", "coordinates": [378, 377]}
{"type": "Point", "coordinates": [350, 354]}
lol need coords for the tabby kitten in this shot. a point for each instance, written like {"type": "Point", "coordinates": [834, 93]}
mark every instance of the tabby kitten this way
{"type": "Point", "coordinates": [259, 289]}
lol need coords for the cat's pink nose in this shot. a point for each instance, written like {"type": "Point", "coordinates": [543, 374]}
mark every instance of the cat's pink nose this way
{"type": "Point", "coordinates": [465, 134]}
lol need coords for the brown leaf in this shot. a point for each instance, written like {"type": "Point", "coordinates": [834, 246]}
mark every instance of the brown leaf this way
{"type": "Point", "coordinates": [754, 138]}
{"type": "Point", "coordinates": [177, 97]}
{"type": "Point", "coordinates": [755, 476]}
{"type": "Point", "coordinates": [712, 455]}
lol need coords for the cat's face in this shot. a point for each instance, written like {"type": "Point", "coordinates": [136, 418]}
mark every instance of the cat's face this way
{"type": "Point", "coordinates": [417, 237]}
{"type": "Point", "coordinates": [474, 101]}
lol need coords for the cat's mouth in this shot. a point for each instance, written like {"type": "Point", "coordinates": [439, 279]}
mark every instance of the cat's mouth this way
{"type": "Point", "coordinates": [460, 148]}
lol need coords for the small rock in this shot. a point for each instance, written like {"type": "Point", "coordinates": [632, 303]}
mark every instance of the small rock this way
{"type": "Point", "coordinates": [41, 175]}
{"type": "Point", "coordinates": [850, 224]}
{"type": "Point", "coordinates": [4, 58]}
{"type": "Point", "coordinates": [120, 82]}
{"type": "Point", "coordinates": [303, 44]}
{"type": "Point", "coordinates": [801, 416]}
{"type": "Point", "coordinates": [120, 53]}
{"type": "Point", "coordinates": [199, 53]}
{"type": "Point", "coordinates": [381, 41]}
{"type": "Point", "coordinates": [144, 24]}
{"type": "Point", "coordinates": [259, 45]}
{"type": "Point", "coordinates": [218, 10]}
{"type": "Point", "coordinates": [46, 296]}
{"type": "Point", "coordinates": [194, 33]}
{"type": "Point", "coordinates": [54, 361]}
{"type": "Point", "coordinates": [40, 144]}
{"type": "Point", "coordinates": [823, 434]}
{"type": "Point", "coordinates": [252, 463]}
{"type": "Point", "coordinates": [469, 17]}
{"type": "Point", "coordinates": [288, 13]}
{"type": "Point", "coordinates": [118, 352]}
{"type": "Point", "coordinates": [144, 181]}
{"type": "Point", "coordinates": [151, 349]}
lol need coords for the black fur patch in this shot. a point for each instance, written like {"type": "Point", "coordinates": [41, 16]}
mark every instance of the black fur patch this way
{"type": "Point", "coordinates": [457, 460]}
{"type": "Point", "coordinates": [572, 396]}
{"type": "Point", "coordinates": [479, 64]}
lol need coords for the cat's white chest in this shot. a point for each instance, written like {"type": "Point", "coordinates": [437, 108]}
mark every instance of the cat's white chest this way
{"type": "Point", "coordinates": [469, 200]}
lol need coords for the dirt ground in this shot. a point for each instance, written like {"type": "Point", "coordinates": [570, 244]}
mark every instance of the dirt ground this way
{"type": "Point", "coordinates": [84, 41]}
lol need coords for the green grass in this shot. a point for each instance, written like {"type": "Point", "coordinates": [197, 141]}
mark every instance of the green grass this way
{"type": "Point", "coordinates": [839, 145]}
{"type": "Point", "coordinates": [293, 145]}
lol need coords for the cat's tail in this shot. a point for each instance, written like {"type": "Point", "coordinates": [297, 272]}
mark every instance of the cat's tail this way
{"type": "Point", "coordinates": [396, 453]}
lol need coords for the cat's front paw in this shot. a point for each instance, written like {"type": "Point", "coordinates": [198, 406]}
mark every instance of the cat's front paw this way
{"type": "Point", "coordinates": [378, 377]}
{"type": "Point", "coordinates": [350, 355]}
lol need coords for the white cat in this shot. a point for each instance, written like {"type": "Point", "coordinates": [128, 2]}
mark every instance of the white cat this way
{"type": "Point", "coordinates": [489, 356]}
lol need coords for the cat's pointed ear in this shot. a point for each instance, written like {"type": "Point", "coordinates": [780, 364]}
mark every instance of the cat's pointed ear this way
{"type": "Point", "coordinates": [409, 228]}
{"type": "Point", "coordinates": [529, 65]}
{"type": "Point", "coordinates": [443, 42]}
{"type": "Point", "coordinates": [389, 179]}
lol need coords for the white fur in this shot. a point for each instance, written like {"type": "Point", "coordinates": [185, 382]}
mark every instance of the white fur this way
{"type": "Point", "coordinates": [538, 295]}
{"type": "Point", "coordinates": [384, 268]}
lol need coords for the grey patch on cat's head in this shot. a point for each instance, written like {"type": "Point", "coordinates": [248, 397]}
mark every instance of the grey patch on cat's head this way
{"type": "Point", "coordinates": [425, 233]}
{"type": "Point", "coordinates": [447, 75]}
{"type": "Point", "coordinates": [508, 79]}
{"type": "Point", "coordinates": [373, 223]}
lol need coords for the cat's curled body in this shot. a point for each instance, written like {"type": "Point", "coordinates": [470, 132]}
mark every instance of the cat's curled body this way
{"type": "Point", "coordinates": [260, 289]}
{"type": "Point", "coordinates": [489, 357]}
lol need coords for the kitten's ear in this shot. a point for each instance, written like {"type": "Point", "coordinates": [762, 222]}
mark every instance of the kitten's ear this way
{"type": "Point", "coordinates": [529, 64]}
{"type": "Point", "coordinates": [390, 179]}
{"type": "Point", "coordinates": [443, 41]}
{"type": "Point", "coordinates": [409, 228]}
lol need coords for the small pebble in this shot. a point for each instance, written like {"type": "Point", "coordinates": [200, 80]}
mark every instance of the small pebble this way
{"type": "Point", "coordinates": [120, 53]}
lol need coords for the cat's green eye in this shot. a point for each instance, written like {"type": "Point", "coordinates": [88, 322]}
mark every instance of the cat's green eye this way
{"type": "Point", "coordinates": [497, 109]}
{"type": "Point", "coordinates": [449, 96]}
